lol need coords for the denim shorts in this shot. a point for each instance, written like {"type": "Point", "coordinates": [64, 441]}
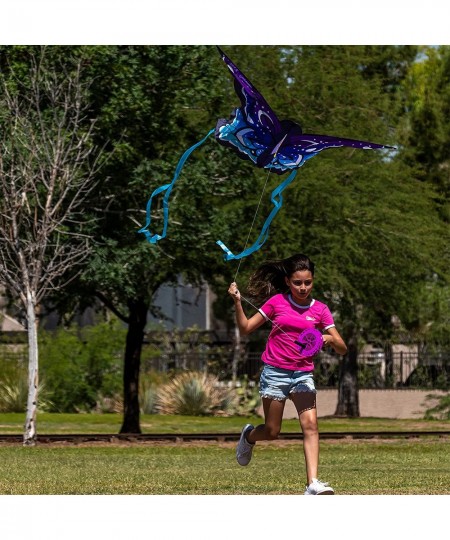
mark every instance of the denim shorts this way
{"type": "Point", "coordinates": [278, 383]}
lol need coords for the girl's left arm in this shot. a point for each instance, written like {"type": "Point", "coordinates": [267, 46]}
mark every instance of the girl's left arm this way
{"type": "Point", "coordinates": [334, 340]}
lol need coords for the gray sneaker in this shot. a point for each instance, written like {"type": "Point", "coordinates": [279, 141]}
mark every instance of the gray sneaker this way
{"type": "Point", "coordinates": [244, 449]}
{"type": "Point", "coordinates": [316, 487]}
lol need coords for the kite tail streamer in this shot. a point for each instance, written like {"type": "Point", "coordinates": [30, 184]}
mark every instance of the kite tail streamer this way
{"type": "Point", "coordinates": [153, 238]}
{"type": "Point", "coordinates": [277, 201]}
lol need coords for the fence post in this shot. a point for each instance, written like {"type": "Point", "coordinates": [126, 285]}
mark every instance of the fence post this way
{"type": "Point", "coordinates": [401, 368]}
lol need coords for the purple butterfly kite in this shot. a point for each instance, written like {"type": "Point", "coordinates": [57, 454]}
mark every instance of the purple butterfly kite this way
{"type": "Point", "coordinates": [255, 133]}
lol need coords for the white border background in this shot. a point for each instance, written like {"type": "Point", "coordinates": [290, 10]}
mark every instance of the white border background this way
{"type": "Point", "coordinates": [245, 22]}
{"type": "Point", "coordinates": [204, 517]}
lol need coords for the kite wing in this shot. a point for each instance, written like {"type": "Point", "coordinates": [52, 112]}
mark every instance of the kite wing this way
{"type": "Point", "coordinates": [253, 129]}
{"type": "Point", "coordinates": [256, 109]}
{"type": "Point", "coordinates": [298, 148]}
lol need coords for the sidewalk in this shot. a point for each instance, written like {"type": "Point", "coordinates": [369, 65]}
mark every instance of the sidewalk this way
{"type": "Point", "coordinates": [374, 403]}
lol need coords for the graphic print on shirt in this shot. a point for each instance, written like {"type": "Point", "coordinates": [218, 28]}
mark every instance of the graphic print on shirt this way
{"type": "Point", "coordinates": [310, 341]}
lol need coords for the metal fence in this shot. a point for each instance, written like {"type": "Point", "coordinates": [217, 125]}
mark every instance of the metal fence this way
{"type": "Point", "coordinates": [386, 371]}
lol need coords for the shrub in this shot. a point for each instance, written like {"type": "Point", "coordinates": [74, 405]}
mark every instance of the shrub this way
{"type": "Point", "coordinates": [14, 388]}
{"type": "Point", "coordinates": [109, 404]}
{"type": "Point", "coordinates": [13, 396]}
{"type": "Point", "coordinates": [82, 366]}
{"type": "Point", "coordinates": [148, 390]}
{"type": "Point", "coordinates": [247, 400]}
{"type": "Point", "coordinates": [148, 399]}
{"type": "Point", "coordinates": [441, 411]}
{"type": "Point", "coordinates": [194, 393]}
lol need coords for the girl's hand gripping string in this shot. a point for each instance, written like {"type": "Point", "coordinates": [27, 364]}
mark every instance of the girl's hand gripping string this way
{"type": "Point", "coordinates": [233, 291]}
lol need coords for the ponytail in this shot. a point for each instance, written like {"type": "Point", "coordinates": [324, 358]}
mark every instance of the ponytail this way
{"type": "Point", "coordinates": [269, 278]}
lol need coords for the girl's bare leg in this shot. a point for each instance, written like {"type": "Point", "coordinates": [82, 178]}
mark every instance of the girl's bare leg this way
{"type": "Point", "coordinates": [305, 403]}
{"type": "Point", "coordinates": [273, 417]}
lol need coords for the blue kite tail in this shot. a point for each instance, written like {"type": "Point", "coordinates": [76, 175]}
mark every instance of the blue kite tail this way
{"type": "Point", "coordinates": [277, 201]}
{"type": "Point", "coordinates": [153, 238]}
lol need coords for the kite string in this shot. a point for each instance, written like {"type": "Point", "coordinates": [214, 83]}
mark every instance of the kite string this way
{"type": "Point", "coordinates": [277, 201]}
{"type": "Point", "coordinates": [273, 322]}
{"type": "Point", "coordinates": [253, 222]}
{"type": "Point", "coordinates": [266, 317]}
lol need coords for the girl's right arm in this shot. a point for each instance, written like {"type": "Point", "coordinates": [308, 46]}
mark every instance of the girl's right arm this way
{"type": "Point", "coordinates": [246, 326]}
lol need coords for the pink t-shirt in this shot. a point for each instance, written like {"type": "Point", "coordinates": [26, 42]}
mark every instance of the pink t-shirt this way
{"type": "Point", "coordinates": [290, 319]}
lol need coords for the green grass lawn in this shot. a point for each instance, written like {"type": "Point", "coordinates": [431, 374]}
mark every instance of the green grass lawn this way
{"type": "Point", "coordinates": [51, 423]}
{"type": "Point", "coordinates": [396, 467]}
{"type": "Point", "coordinates": [393, 466]}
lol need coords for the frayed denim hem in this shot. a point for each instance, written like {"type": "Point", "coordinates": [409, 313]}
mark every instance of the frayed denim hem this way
{"type": "Point", "coordinates": [268, 396]}
{"type": "Point", "coordinates": [299, 390]}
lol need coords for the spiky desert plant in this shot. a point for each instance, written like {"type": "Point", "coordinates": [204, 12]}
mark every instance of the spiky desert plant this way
{"type": "Point", "coordinates": [109, 404]}
{"type": "Point", "coordinates": [13, 396]}
{"type": "Point", "coordinates": [148, 390]}
{"type": "Point", "coordinates": [194, 393]}
{"type": "Point", "coordinates": [147, 400]}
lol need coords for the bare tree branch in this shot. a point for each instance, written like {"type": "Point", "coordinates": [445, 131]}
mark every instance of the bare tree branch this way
{"type": "Point", "coordinates": [48, 167]}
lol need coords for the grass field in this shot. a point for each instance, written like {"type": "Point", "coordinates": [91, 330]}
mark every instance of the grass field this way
{"type": "Point", "coordinates": [387, 467]}
{"type": "Point", "coordinates": [48, 423]}
{"type": "Point", "coordinates": [378, 466]}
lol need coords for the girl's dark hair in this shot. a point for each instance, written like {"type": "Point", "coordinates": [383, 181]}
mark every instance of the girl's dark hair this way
{"type": "Point", "coordinates": [269, 278]}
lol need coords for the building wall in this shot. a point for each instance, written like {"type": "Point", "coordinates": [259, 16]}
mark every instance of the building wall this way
{"type": "Point", "coordinates": [183, 306]}
{"type": "Point", "coordinates": [375, 403]}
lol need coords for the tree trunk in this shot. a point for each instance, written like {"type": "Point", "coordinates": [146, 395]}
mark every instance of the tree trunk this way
{"type": "Point", "coordinates": [236, 353]}
{"type": "Point", "coordinates": [348, 398]}
{"type": "Point", "coordinates": [29, 436]}
{"type": "Point", "coordinates": [138, 310]}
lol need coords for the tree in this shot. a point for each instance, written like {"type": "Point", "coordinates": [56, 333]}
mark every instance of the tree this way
{"type": "Point", "coordinates": [364, 218]}
{"type": "Point", "coordinates": [152, 103]}
{"type": "Point", "coordinates": [47, 170]}
{"type": "Point", "coordinates": [378, 235]}
{"type": "Point", "coordinates": [425, 138]}
{"type": "Point", "coordinates": [424, 132]}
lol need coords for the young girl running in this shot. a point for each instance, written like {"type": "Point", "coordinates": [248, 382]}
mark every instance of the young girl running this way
{"type": "Point", "coordinates": [287, 374]}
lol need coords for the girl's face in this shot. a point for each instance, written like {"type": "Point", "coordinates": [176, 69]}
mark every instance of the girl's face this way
{"type": "Point", "coordinates": [300, 284]}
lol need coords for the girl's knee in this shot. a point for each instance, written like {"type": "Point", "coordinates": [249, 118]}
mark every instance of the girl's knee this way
{"type": "Point", "coordinates": [272, 432]}
{"type": "Point", "coordinates": [310, 426]}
